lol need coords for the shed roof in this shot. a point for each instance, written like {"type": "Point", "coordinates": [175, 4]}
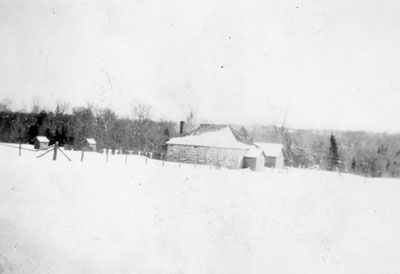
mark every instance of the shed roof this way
{"type": "Point", "coordinates": [253, 153]}
{"type": "Point", "coordinates": [42, 139]}
{"type": "Point", "coordinates": [270, 149]}
{"type": "Point", "coordinates": [90, 141]}
{"type": "Point", "coordinates": [212, 136]}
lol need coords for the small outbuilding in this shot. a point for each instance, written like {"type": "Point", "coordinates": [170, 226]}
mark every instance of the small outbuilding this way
{"type": "Point", "coordinates": [273, 154]}
{"type": "Point", "coordinates": [254, 159]}
{"type": "Point", "coordinates": [40, 142]}
{"type": "Point", "coordinates": [89, 144]}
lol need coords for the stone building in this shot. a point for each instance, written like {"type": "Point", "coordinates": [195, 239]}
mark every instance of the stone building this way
{"type": "Point", "coordinates": [209, 144]}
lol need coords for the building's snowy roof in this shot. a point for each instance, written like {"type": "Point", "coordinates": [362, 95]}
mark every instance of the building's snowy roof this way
{"type": "Point", "coordinates": [270, 149]}
{"type": "Point", "coordinates": [253, 153]}
{"type": "Point", "coordinates": [90, 141]}
{"type": "Point", "coordinates": [42, 139]}
{"type": "Point", "coordinates": [212, 136]}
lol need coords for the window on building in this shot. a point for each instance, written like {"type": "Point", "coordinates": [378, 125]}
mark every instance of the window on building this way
{"type": "Point", "coordinates": [183, 154]}
{"type": "Point", "coordinates": [202, 154]}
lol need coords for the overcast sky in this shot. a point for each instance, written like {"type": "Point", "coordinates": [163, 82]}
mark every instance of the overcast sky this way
{"type": "Point", "coordinates": [327, 64]}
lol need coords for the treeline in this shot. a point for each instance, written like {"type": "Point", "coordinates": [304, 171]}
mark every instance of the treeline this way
{"type": "Point", "coordinates": [364, 153]}
{"type": "Point", "coordinates": [138, 132]}
{"type": "Point", "coordinates": [368, 154]}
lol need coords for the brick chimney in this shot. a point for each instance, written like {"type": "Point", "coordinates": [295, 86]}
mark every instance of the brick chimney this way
{"type": "Point", "coordinates": [181, 127]}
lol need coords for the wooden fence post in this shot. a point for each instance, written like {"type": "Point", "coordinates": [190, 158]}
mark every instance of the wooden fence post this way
{"type": "Point", "coordinates": [126, 158]}
{"type": "Point", "coordinates": [55, 151]}
{"type": "Point", "coordinates": [83, 152]}
{"type": "Point", "coordinates": [66, 156]}
{"type": "Point", "coordinates": [19, 153]}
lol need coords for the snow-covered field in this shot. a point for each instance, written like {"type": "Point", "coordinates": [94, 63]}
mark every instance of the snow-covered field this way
{"type": "Point", "coordinates": [98, 217]}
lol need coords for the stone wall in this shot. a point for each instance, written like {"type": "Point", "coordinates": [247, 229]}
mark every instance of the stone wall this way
{"type": "Point", "coordinates": [226, 157]}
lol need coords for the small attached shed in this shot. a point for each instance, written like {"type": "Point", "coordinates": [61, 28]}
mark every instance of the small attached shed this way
{"type": "Point", "coordinates": [40, 142]}
{"type": "Point", "coordinates": [89, 144]}
{"type": "Point", "coordinates": [254, 159]}
{"type": "Point", "coordinates": [273, 154]}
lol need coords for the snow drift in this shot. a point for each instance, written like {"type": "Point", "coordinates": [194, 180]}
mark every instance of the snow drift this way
{"type": "Point", "coordinates": [98, 217]}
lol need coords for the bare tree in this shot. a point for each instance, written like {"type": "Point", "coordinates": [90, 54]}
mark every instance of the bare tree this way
{"type": "Point", "coordinates": [83, 124]}
{"type": "Point", "coordinates": [62, 107]}
{"type": "Point", "coordinates": [141, 118]}
{"type": "Point", "coordinates": [190, 119]}
{"type": "Point", "coordinates": [106, 120]}
{"type": "Point", "coordinates": [141, 112]}
{"type": "Point", "coordinates": [5, 105]}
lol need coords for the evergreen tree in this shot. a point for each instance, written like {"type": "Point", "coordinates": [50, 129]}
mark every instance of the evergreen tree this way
{"type": "Point", "coordinates": [353, 164]}
{"type": "Point", "coordinates": [333, 158]}
{"type": "Point", "coordinates": [243, 132]}
{"type": "Point", "coordinates": [167, 135]}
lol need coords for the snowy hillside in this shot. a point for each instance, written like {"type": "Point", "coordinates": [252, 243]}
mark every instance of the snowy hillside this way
{"type": "Point", "coordinates": [98, 217]}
